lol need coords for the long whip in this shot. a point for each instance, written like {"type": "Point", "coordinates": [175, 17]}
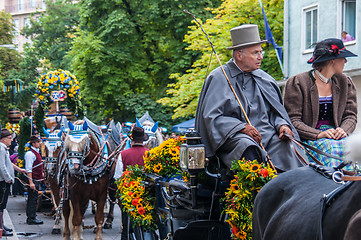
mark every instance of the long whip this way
{"type": "Point", "coordinates": [229, 82]}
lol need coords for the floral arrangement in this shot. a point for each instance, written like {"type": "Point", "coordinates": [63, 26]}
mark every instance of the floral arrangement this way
{"type": "Point", "coordinates": [139, 200]}
{"type": "Point", "coordinates": [136, 198]}
{"type": "Point", "coordinates": [164, 159]}
{"type": "Point", "coordinates": [59, 80]}
{"type": "Point", "coordinates": [13, 127]}
{"type": "Point", "coordinates": [250, 177]}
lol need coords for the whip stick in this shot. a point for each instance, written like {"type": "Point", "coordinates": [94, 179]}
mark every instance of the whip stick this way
{"type": "Point", "coordinates": [229, 82]}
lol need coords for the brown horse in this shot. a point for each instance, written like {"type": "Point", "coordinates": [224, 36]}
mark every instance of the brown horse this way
{"type": "Point", "coordinates": [54, 156]}
{"type": "Point", "coordinates": [86, 177]}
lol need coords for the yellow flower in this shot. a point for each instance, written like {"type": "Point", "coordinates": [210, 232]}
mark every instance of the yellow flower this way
{"type": "Point", "coordinates": [255, 168]}
{"type": "Point", "coordinates": [41, 97]}
{"type": "Point", "coordinates": [157, 168]}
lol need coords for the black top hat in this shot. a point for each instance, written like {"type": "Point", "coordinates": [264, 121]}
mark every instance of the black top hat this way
{"type": "Point", "coordinates": [139, 135]}
{"type": "Point", "coordinates": [329, 49]}
{"type": "Point", "coordinates": [4, 133]}
{"type": "Point", "coordinates": [34, 139]}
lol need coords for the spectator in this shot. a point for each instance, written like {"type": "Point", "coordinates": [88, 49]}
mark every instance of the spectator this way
{"type": "Point", "coordinates": [346, 37]}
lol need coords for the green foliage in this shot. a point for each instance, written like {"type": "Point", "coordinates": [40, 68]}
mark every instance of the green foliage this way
{"type": "Point", "coordinates": [126, 48]}
{"type": "Point", "coordinates": [9, 62]}
{"type": "Point", "coordinates": [39, 119]}
{"type": "Point", "coordinates": [185, 92]}
{"type": "Point", "coordinates": [6, 28]}
{"type": "Point", "coordinates": [24, 136]}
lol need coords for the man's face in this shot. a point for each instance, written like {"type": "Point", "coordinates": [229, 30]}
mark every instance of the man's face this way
{"type": "Point", "coordinates": [36, 144]}
{"type": "Point", "coordinates": [7, 140]}
{"type": "Point", "coordinates": [249, 59]}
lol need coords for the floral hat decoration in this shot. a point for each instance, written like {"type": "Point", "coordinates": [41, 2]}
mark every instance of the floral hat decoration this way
{"type": "Point", "coordinates": [329, 49]}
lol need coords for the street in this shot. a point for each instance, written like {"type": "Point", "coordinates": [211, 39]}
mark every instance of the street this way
{"type": "Point", "coordinates": [15, 217]}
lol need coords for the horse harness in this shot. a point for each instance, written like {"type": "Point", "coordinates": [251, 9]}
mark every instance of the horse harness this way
{"type": "Point", "coordinates": [327, 199]}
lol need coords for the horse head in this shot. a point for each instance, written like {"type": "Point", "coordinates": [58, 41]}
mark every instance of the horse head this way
{"type": "Point", "coordinates": [77, 146]}
{"type": "Point", "coordinates": [53, 149]}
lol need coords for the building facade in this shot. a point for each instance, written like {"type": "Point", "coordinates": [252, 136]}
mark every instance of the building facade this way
{"type": "Point", "coordinates": [310, 21]}
{"type": "Point", "coordinates": [21, 12]}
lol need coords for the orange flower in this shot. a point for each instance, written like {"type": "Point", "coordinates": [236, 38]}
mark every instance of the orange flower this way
{"type": "Point", "coordinates": [264, 172]}
{"type": "Point", "coordinates": [135, 201]}
{"type": "Point", "coordinates": [141, 210]}
{"type": "Point", "coordinates": [130, 193]}
{"type": "Point", "coordinates": [235, 230]}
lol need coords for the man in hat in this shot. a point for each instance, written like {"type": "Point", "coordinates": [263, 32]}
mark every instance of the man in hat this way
{"type": "Point", "coordinates": [6, 175]}
{"type": "Point", "coordinates": [222, 124]}
{"type": "Point", "coordinates": [34, 169]}
{"type": "Point", "coordinates": [131, 157]}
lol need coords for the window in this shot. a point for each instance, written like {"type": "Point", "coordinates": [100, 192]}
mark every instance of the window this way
{"type": "Point", "coordinates": [16, 29]}
{"type": "Point", "coordinates": [32, 3]}
{"type": "Point", "coordinates": [348, 19]}
{"type": "Point", "coordinates": [21, 5]}
{"type": "Point", "coordinates": [27, 22]}
{"type": "Point", "coordinates": [310, 27]}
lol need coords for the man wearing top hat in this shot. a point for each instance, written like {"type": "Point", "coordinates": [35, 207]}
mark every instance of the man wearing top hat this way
{"type": "Point", "coordinates": [220, 120]}
{"type": "Point", "coordinates": [131, 157]}
{"type": "Point", "coordinates": [34, 169]}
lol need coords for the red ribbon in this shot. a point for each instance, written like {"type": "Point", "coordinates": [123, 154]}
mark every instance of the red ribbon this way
{"type": "Point", "coordinates": [335, 49]}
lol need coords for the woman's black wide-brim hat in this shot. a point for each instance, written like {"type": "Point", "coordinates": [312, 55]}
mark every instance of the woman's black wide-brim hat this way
{"type": "Point", "coordinates": [328, 49]}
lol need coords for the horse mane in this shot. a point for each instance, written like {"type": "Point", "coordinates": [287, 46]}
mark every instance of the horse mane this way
{"type": "Point", "coordinates": [78, 122]}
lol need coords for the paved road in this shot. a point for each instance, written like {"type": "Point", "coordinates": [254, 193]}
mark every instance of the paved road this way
{"type": "Point", "coordinates": [15, 217]}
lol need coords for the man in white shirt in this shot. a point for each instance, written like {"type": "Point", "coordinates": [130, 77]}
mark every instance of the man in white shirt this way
{"type": "Point", "coordinates": [34, 169]}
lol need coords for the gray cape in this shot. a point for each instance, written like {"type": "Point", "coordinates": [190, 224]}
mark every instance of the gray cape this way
{"type": "Point", "coordinates": [219, 118]}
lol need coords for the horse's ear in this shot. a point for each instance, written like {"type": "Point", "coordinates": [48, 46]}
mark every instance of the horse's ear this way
{"type": "Point", "coordinates": [155, 127]}
{"type": "Point", "coordinates": [85, 125]}
{"type": "Point", "coordinates": [138, 123]}
{"type": "Point", "coordinates": [46, 132]}
{"type": "Point", "coordinates": [61, 132]}
{"type": "Point", "coordinates": [71, 126]}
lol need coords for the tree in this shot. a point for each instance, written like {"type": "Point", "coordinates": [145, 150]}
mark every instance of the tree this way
{"type": "Point", "coordinates": [185, 92]}
{"type": "Point", "coordinates": [127, 49]}
{"type": "Point", "coordinates": [9, 60]}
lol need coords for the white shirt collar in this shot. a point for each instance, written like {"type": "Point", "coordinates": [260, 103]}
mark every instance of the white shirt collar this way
{"type": "Point", "coordinates": [35, 149]}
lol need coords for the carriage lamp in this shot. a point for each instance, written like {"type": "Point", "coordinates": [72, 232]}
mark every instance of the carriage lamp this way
{"type": "Point", "coordinates": [192, 153]}
{"type": "Point", "coordinates": [192, 160]}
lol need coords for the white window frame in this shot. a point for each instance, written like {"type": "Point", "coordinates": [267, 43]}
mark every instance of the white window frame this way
{"type": "Point", "coordinates": [340, 19]}
{"type": "Point", "coordinates": [303, 29]}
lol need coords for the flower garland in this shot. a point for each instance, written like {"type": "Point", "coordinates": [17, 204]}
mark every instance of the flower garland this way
{"type": "Point", "coordinates": [164, 159]}
{"type": "Point", "coordinates": [139, 200]}
{"type": "Point", "coordinates": [13, 127]}
{"type": "Point", "coordinates": [58, 80]}
{"type": "Point", "coordinates": [136, 198]}
{"type": "Point", "coordinates": [249, 179]}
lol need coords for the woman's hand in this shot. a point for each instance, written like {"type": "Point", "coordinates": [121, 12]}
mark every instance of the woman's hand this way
{"type": "Point", "coordinates": [340, 133]}
{"type": "Point", "coordinates": [329, 133]}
